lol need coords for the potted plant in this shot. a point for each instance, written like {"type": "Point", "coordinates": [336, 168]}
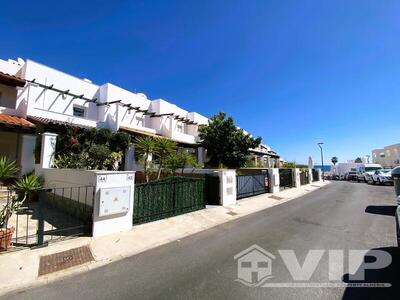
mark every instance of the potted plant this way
{"type": "Point", "coordinates": [6, 233]}
{"type": "Point", "coordinates": [25, 186]}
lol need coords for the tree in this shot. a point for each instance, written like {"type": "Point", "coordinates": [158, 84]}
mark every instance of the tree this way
{"type": "Point", "coordinates": [226, 144]}
{"type": "Point", "coordinates": [179, 160]}
{"type": "Point", "coordinates": [146, 147]}
{"type": "Point", "coordinates": [334, 160]}
{"type": "Point", "coordinates": [164, 148]}
{"type": "Point", "coordinates": [358, 160]}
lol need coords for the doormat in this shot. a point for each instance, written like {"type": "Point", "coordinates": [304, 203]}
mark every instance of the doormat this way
{"type": "Point", "coordinates": [275, 197]}
{"type": "Point", "coordinates": [64, 260]}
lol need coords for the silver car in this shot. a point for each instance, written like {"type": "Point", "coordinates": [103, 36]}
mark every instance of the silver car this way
{"type": "Point", "coordinates": [382, 176]}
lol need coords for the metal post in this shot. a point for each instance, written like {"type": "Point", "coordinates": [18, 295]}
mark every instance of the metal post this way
{"type": "Point", "coordinates": [42, 195]}
{"type": "Point", "coordinates": [322, 161]}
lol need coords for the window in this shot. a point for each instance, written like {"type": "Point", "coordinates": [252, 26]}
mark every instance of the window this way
{"type": "Point", "coordinates": [179, 128]}
{"type": "Point", "coordinates": [79, 111]}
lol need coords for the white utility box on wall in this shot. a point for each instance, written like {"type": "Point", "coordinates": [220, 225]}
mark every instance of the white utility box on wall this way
{"type": "Point", "coordinates": [115, 200]}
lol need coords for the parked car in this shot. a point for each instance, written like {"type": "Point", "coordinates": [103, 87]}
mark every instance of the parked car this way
{"type": "Point", "coordinates": [382, 176]}
{"type": "Point", "coordinates": [365, 172]}
{"type": "Point", "coordinates": [352, 175]}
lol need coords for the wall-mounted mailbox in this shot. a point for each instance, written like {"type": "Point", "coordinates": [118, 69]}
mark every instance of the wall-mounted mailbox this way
{"type": "Point", "coordinates": [114, 200]}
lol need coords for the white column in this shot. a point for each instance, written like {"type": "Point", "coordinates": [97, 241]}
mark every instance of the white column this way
{"type": "Point", "coordinates": [274, 180]}
{"type": "Point", "coordinates": [227, 187]}
{"type": "Point", "coordinates": [319, 174]}
{"type": "Point", "coordinates": [296, 177]}
{"type": "Point", "coordinates": [113, 206]}
{"type": "Point", "coordinates": [28, 153]}
{"type": "Point", "coordinates": [310, 179]}
{"type": "Point", "coordinates": [130, 163]}
{"type": "Point", "coordinates": [49, 141]}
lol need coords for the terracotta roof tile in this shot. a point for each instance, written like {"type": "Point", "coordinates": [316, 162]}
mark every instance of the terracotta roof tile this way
{"type": "Point", "coordinates": [11, 80]}
{"type": "Point", "coordinates": [14, 120]}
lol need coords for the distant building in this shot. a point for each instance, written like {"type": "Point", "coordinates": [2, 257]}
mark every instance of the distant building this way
{"type": "Point", "coordinates": [265, 157]}
{"type": "Point", "coordinates": [388, 156]}
{"type": "Point", "coordinates": [327, 168]}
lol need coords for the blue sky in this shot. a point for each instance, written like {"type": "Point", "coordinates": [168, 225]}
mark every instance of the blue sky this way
{"type": "Point", "coordinates": [293, 72]}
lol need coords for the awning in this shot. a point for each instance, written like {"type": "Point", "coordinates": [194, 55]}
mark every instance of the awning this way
{"type": "Point", "coordinates": [46, 121]}
{"type": "Point", "coordinates": [138, 131]}
{"type": "Point", "coordinates": [11, 80]}
{"type": "Point", "coordinates": [14, 121]}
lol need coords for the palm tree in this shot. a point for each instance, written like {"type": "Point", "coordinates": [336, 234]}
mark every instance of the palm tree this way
{"type": "Point", "coordinates": [334, 160]}
{"type": "Point", "coordinates": [164, 149]}
{"type": "Point", "coordinates": [146, 147]}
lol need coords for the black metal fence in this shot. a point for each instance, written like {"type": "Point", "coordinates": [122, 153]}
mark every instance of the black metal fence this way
{"type": "Point", "coordinates": [251, 185]}
{"type": "Point", "coordinates": [285, 178]}
{"type": "Point", "coordinates": [314, 175]}
{"type": "Point", "coordinates": [167, 197]}
{"type": "Point", "coordinates": [304, 177]}
{"type": "Point", "coordinates": [48, 215]}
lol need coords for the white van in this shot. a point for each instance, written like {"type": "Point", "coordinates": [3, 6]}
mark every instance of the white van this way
{"type": "Point", "coordinates": [365, 172]}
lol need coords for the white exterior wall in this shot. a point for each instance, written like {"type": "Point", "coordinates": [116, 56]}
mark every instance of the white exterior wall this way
{"type": "Point", "coordinates": [296, 177]}
{"type": "Point", "coordinates": [27, 159]}
{"type": "Point", "coordinates": [36, 101]}
{"type": "Point", "coordinates": [11, 67]}
{"type": "Point", "coordinates": [117, 115]}
{"type": "Point", "coordinates": [227, 187]}
{"type": "Point", "coordinates": [274, 180]}
{"type": "Point", "coordinates": [168, 125]}
{"type": "Point", "coordinates": [50, 104]}
{"type": "Point", "coordinates": [62, 178]}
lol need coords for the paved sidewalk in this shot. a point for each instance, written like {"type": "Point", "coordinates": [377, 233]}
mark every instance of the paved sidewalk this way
{"type": "Point", "coordinates": [19, 270]}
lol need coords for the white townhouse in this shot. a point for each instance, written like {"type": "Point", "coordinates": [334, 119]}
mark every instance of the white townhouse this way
{"type": "Point", "coordinates": [35, 97]}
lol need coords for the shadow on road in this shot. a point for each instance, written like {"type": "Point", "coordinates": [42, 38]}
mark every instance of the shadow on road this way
{"type": "Point", "coordinates": [385, 275]}
{"type": "Point", "coordinates": [386, 210]}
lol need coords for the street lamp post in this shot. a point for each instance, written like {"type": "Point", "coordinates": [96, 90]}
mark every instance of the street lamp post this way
{"type": "Point", "coordinates": [322, 161]}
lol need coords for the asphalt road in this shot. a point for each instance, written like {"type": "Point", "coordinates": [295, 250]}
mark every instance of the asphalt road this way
{"type": "Point", "coordinates": [342, 215]}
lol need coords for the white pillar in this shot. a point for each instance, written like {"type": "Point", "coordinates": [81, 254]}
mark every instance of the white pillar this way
{"type": "Point", "coordinates": [274, 180]}
{"type": "Point", "coordinates": [49, 141]}
{"type": "Point", "coordinates": [113, 206]}
{"type": "Point", "coordinates": [319, 174]}
{"type": "Point", "coordinates": [310, 179]}
{"type": "Point", "coordinates": [227, 187]}
{"type": "Point", "coordinates": [296, 177]}
{"type": "Point", "coordinates": [27, 160]}
{"type": "Point", "coordinates": [130, 163]}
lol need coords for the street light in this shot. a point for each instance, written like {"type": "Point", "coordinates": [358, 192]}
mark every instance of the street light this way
{"type": "Point", "coordinates": [322, 161]}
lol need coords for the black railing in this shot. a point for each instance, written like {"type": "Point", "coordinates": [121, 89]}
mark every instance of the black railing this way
{"type": "Point", "coordinates": [48, 215]}
{"type": "Point", "coordinates": [315, 175]}
{"type": "Point", "coordinates": [304, 177]}
{"type": "Point", "coordinates": [251, 185]}
{"type": "Point", "coordinates": [285, 178]}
